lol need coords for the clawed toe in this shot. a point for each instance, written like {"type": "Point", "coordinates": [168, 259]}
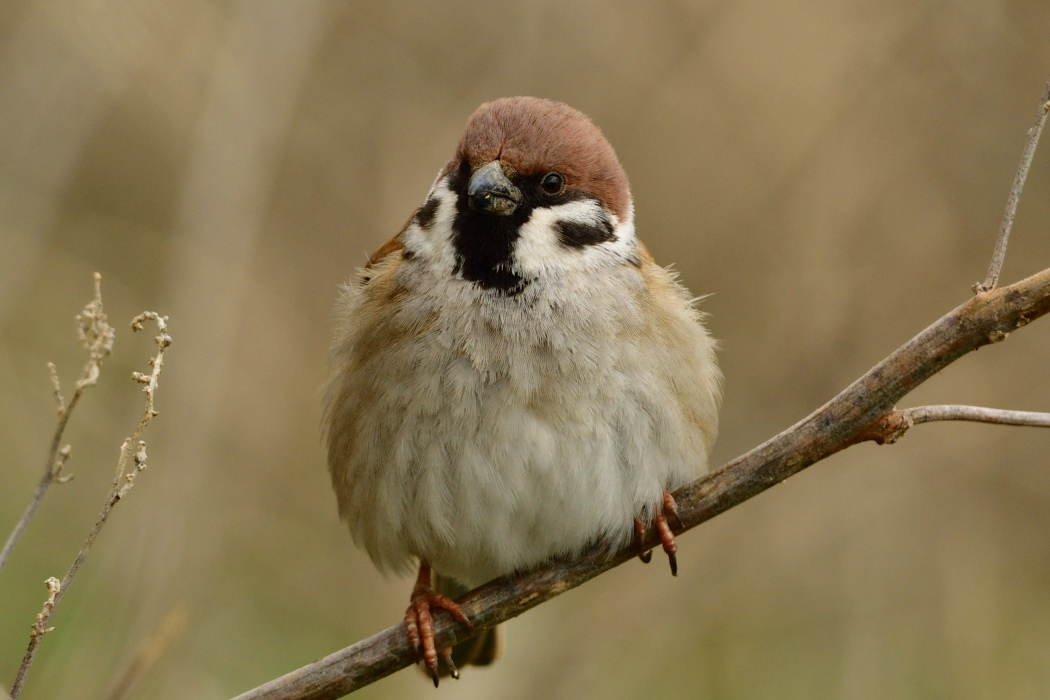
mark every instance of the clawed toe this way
{"type": "Point", "coordinates": [446, 655]}
{"type": "Point", "coordinates": [671, 508]}
{"type": "Point", "coordinates": [663, 528]}
{"type": "Point", "coordinates": [419, 624]}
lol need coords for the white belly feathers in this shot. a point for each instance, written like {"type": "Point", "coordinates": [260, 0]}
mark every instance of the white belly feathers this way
{"type": "Point", "coordinates": [486, 433]}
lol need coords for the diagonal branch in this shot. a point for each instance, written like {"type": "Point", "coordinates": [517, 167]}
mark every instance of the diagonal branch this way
{"type": "Point", "coordinates": [851, 417]}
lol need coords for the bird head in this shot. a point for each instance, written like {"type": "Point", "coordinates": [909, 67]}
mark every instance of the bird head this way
{"type": "Point", "coordinates": [533, 189]}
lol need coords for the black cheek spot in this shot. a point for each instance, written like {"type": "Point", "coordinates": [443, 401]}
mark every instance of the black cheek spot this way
{"type": "Point", "coordinates": [425, 214]}
{"type": "Point", "coordinates": [575, 234]}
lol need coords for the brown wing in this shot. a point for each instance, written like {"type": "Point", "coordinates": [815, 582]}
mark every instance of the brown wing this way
{"type": "Point", "coordinates": [643, 254]}
{"type": "Point", "coordinates": [392, 246]}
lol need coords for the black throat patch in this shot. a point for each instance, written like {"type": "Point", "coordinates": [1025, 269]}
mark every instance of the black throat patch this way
{"type": "Point", "coordinates": [484, 243]}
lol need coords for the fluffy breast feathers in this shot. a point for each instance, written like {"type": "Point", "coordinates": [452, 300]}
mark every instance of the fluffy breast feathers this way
{"type": "Point", "coordinates": [486, 432]}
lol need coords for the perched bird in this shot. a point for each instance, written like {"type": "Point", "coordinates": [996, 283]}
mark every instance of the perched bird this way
{"type": "Point", "coordinates": [513, 377]}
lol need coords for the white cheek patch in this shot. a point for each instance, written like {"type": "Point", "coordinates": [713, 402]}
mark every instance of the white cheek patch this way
{"type": "Point", "coordinates": [433, 242]}
{"type": "Point", "coordinates": [540, 247]}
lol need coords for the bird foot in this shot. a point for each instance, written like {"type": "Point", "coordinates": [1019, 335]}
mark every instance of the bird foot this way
{"type": "Point", "coordinates": [668, 508]}
{"type": "Point", "coordinates": [420, 625]}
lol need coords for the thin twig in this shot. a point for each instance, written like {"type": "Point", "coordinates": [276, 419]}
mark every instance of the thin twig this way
{"type": "Point", "coordinates": [1015, 196]}
{"type": "Point", "coordinates": [977, 414]}
{"type": "Point", "coordinates": [891, 427]}
{"type": "Point", "coordinates": [97, 338]}
{"type": "Point", "coordinates": [133, 449]}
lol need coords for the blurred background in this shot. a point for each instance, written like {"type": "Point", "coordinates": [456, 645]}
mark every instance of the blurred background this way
{"type": "Point", "coordinates": [832, 173]}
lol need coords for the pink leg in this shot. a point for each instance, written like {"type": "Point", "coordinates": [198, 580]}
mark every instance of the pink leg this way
{"type": "Point", "coordinates": [420, 625]}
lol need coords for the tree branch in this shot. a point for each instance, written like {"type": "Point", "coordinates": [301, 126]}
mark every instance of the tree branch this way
{"type": "Point", "coordinates": [862, 411]}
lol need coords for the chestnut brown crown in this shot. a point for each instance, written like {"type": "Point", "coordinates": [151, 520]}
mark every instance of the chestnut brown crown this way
{"type": "Point", "coordinates": [532, 135]}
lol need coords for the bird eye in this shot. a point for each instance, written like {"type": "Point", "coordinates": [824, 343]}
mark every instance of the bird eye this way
{"type": "Point", "coordinates": [552, 183]}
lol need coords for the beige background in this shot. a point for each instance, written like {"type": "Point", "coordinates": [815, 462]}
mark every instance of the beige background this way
{"type": "Point", "coordinates": [833, 173]}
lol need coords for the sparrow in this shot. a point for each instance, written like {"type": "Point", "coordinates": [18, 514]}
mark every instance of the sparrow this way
{"type": "Point", "coordinates": [513, 377]}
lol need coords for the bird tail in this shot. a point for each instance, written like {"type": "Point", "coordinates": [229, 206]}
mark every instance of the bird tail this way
{"type": "Point", "coordinates": [480, 650]}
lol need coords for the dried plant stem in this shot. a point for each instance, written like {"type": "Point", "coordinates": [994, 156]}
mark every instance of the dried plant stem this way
{"type": "Point", "coordinates": [133, 449]}
{"type": "Point", "coordinates": [999, 254]}
{"type": "Point", "coordinates": [45, 481]}
{"type": "Point", "coordinates": [97, 338]}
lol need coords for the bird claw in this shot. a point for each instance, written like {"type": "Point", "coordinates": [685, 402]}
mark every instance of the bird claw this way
{"type": "Point", "coordinates": [419, 624]}
{"type": "Point", "coordinates": [446, 654]}
{"type": "Point", "coordinates": [671, 508]}
{"type": "Point", "coordinates": [663, 528]}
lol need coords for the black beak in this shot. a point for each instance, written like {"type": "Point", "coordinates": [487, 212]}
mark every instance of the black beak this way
{"type": "Point", "coordinates": [490, 191]}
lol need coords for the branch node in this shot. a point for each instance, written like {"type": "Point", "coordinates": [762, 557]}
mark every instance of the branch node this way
{"type": "Point", "coordinates": [887, 429]}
